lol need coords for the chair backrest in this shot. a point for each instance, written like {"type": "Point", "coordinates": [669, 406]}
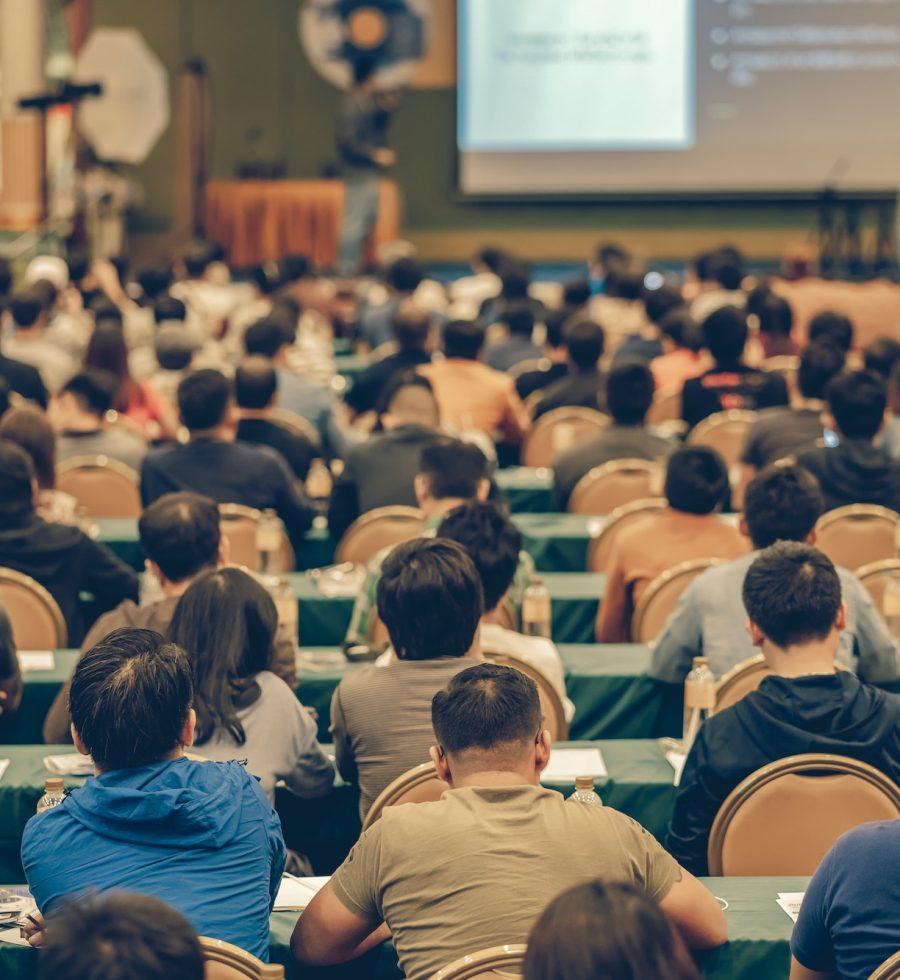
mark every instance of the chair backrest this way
{"type": "Point", "coordinates": [857, 534]}
{"type": "Point", "coordinates": [783, 818]}
{"type": "Point", "coordinates": [552, 434]}
{"type": "Point", "coordinates": [666, 407]}
{"type": "Point", "coordinates": [37, 621]}
{"type": "Point", "coordinates": [104, 487]}
{"type": "Point", "coordinates": [619, 482]}
{"type": "Point", "coordinates": [551, 703]}
{"type": "Point", "coordinates": [744, 678]}
{"type": "Point", "coordinates": [526, 367]}
{"type": "Point", "coordinates": [225, 961]}
{"type": "Point", "coordinates": [497, 962]}
{"type": "Point", "coordinates": [601, 547]}
{"type": "Point", "coordinates": [659, 598]}
{"type": "Point", "coordinates": [786, 364]}
{"type": "Point", "coordinates": [296, 425]}
{"type": "Point", "coordinates": [383, 527]}
{"type": "Point", "coordinates": [889, 970]}
{"type": "Point", "coordinates": [417, 785]}
{"type": "Point", "coordinates": [240, 526]}
{"type": "Point", "coordinates": [725, 432]}
{"type": "Point", "coordinates": [875, 577]}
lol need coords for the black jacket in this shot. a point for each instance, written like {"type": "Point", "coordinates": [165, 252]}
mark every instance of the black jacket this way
{"type": "Point", "coordinates": [23, 379]}
{"type": "Point", "coordinates": [855, 472]}
{"type": "Point", "coordinates": [297, 451]}
{"type": "Point", "coordinates": [586, 390]}
{"type": "Point", "coordinates": [368, 386]}
{"type": "Point", "coordinates": [723, 388]}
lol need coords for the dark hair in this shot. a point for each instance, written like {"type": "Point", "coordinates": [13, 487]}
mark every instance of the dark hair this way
{"type": "Point", "coordinates": [782, 503]}
{"type": "Point", "coordinates": [776, 316]}
{"type": "Point", "coordinates": [363, 68]}
{"type": "Point", "coordinates": [484, 707]}
{"type": "Point", "coordinates": [819, 363]}
{"type": "Point", "coordinates": [857, 400]}
{"type": "Point", "coordinates": [682, 329]}
{"type": "Point", "coordinates": [515, 278]}
{"type": "Point", "coordinates": [725, 335]}
{"type": "Point", "coordinates": [107, 351]}
{"type": "Point", "coordinates": [7, 643]}
{"type": "Point", "coordinates": [757, 297]}
{"type": "Point", "coordinates": [696, 480]}
{"type": "Point", "coordinates": [266, 277]}
{"type": "Point", "coordinates": [611, 253]}
{"type": "Point", "coordinates": [703, 266]}
{"type": "Point", "coordinates": [25, 308]}
{"type": "Point", "coordinates": [411, 326]}
{"type": "Point", "coordinates": [120, 936]}
{"type": "Point", "coordinates": [295, 267]}
{"type": "Point", "coordinates": [464, 339]}
{"type": "Point", "coordinates": [226, 623]}
{"type": "Point", "coordinates": [404, 275]}
{"type": "Point", "coordinates": [629, 392]}
{"type": "Point", "coordinates": [612, 930]}
{"type": "Point", "coordinates": [266, 337]}
{"type": "Point", "coordinates": [197, 256]}
{"type": "Point", "coordinates": [168, 308]}
{"type": "Point", "coordinates": [46, 293]}
{"type": "Point", "coordinates": [255, 383]}
{"type": "Point", "coordinates": [519, 319]}
{"type": "Point", "coordinates": [180, 533]}
{"type": "Point", "coordinates": [624, 283]}
{"type": "Point", "coordinates": [453, 468]}
{"type": "Point", "coordinates": [203, 399]}
{"type": "Point", "coordinates": [154, 281]}
{"type": "Point", "coordinates": [490, 257]}
{"type": "Point", "coordinates": [585, 341]}
{"type": "Point", "coordinates": [5, 391]}
{"type": "Point", "coordinates": [881, 355]}
{"type": "Point", "coordinates": [29, 428]}
{"type": "Point", "coordinates": [430, 599]}
{"type": "Point", "coordinates": [837, 327]}
{"type": "Point", "coordinates": [398, 381]}
{"type": "Point", "coordinates": [659, 303]}
{"type": "Point", "coordinates": [576, 293]}
{"type": "Point", "coordinates": [5, 276]}
{"type": "Point", "coordinates": [728, 274]}
{"type": "Point", "coordinates": [94, 390]}
{"type": "Point", "coordinates": [130, 697]}
{"type": "Point", "coordinates": [792, 593]}
{"type": "Point", "coordinates": [493, 543]}
{"type": "Point", "coordinates": [16, 474]}
{"type": "Point", "coordinates": [555, 325]}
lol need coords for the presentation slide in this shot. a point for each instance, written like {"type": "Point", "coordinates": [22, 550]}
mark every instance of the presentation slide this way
{"type": "Point", "coordinates": [670, 96]}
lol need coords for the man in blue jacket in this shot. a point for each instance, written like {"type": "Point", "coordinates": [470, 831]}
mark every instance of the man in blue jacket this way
{"type": "Point", "coordinates": [200, 836]}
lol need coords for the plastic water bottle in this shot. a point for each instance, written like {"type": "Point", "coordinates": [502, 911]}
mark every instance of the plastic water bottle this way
{"type": "Point", "coordinates": [890, 605]}
{"type": "Point", "coordinates": [699, 699]}
{"type": "Point", "coordinates": [54, 794]}
{"type": "Point", "coordinates": [285, 599]}
{"type": "Point", "coordinates": [537, 616]}
{"type": "Point", "coordinates": [268, 540]}
{"type": "Point", "coordinates": [585, 792]}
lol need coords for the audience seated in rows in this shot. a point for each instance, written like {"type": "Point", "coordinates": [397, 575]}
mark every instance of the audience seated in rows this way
{"type": "Point", "coordinates": [680, 359]}
{"type": "Point", "coordinates": [783, 503]}
{"type": "Point", "coordinates": [200, 836]}
{"type": "Point", "coordinates": [775, 321]}
{"type": "Point", "coordinates": [834, 327]}
{"type": "Point", "coordinates": [28, 344]}
{"type": "Point", "coordinates": [689, 528]}
{"type": "Point", "coordinates": [519, 345]}
{"type": "Point", "coordinates": [585, 384]}
{"type": "Point", "coordinates": [720, 275]}
{"type": "Point", "coordinates": [490, 747]}
{"type": "Point", "coordinates": [795, 613]}
{"type": "Point", "coordinates": [552, 364]}
{"type": "Point", "coordinates": [515, 290]}
{"type": "Point", "coordinates": [646, 344]}
{"type": "Point", "coordinates": [401, 279]}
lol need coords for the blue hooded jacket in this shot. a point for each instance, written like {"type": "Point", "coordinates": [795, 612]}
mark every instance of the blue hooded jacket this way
{"type": "Point", "coordinates": [200, 836]}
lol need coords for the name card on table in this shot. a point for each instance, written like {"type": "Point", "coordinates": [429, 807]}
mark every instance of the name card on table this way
{"type": "Point", "coordinates": [567, 764]}
{"type": "Point", "coordinates": [790, 902]}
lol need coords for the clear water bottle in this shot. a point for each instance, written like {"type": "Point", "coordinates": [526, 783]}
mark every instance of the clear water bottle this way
{"type": "Point", "coordinates": [890, 605]}
{"type": "Point", "coordinates": [268, 540]}
{"type": "Point", "coordinates": [54, 794]}
{"type": "Point", "coordinates": [537, 616]}
{"type": "Point", "coordinates": [585, 792]}
{"type": "Point", "coordinates": [699, 699]}
{"type": "Point", "coordinates": [285, 599]}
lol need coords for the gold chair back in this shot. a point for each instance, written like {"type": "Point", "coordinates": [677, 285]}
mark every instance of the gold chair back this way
{"type": "Point", "coordinates": [601, 547]}
{"type": "Point", "coordinates": [296, 425]}
{"type": "Point", "coordinates": [875, 577]}
{"type": "Point", "coordinates": [557, 431]}
{"type": "Point", "coordinates": [615, 484]}
{"type": "Point", "coordinates": [725, 432]}
{"type": "Point", "coordinates": [417, 785]}
{"type": "Point", "coordinates": [240, 527]}
{"type": "Point", "coordinates": [659, 598]}
{"type": "Point", "coordinates": [37, 621]}
{"type": "Point", "coordinates": [384, 527]}
{"type": "Point", "coordinates": [104, 487]}
{"type": "Point", "coordinates": [666, 407]}
{"type": "Point", "coordinates": [225, 961]}
{"type": "Point", "coordinates": [857, 535]}
{"type": "Point", "coordinates": [889, 970]}
{"type": "Point", "coordinates": [496, 963]}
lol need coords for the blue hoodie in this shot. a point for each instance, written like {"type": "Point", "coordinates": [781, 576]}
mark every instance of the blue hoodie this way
{"type": "Point", "coordinates": [200, 836]}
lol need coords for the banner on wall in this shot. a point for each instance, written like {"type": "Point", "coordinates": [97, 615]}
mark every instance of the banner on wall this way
{"type": "Point", "coordinates": [334, 33]}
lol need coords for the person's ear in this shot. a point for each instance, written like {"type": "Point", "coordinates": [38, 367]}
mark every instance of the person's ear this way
{"type": "Point", "coordinates": [420, 485]}
{"type": "Point", "coordinates": [78, 743]}
{"type": "Point", "coordinates": [840, 622]}
{"type": "Point", "coordinates": [756, 634]}
{"type": "Point", "coordinates": [190, 726]}
{"type": "Point", "coordinates": [742, 526]}
{"type": "Point", "coordinates": [155, 571]}
{"type": "Point", "coordinates": [542, 751]}
{"type": "Point", "coordinates": [440, 764]}
{"type": "Point", "coordinates": [483, 491]}
{"type": "Point", "coordinates": [812, 537]}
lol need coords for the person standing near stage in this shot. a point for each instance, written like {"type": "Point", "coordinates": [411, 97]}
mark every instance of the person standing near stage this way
{"type": "Point", "coordinates": [361, 131]}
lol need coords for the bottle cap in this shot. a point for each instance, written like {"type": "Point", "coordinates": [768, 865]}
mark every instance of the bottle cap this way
{"type": "Point", "coordinates": [701, 661]}
{"type": "Point", "coordinates": [584, 782]}
{"type": "Point", "coordinates": [53, 785]}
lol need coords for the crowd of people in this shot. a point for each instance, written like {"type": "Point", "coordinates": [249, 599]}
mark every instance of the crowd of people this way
{"type": "Point", "coordinates": [185, 700]}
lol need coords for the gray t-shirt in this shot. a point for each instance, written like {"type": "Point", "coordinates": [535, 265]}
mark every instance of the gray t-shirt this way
{"type": "Point", "coordinates": [117, 443]}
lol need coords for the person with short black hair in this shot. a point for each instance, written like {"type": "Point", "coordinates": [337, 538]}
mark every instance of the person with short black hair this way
{"type": "Point", "coordinates": [696, 487]}
{"type": "Point", "coordinates": [400, 281]}
{"type": "Point", "coordinates": [776, 321]}
{"type": "Point", "coordinates": [585, 384]}
{"type": "Point", "coordinates": [782, 503]}
{"type": "Point", "coordinates": [681, 359]}
{"type": "Point", "coordinates": [21, 377]}
{"type": "Point", "coordinates": [28, 343]}
{"type": "Point", "coordinates": [792, 595]}
{"type": "Point", "coordinates": [856, 471]}
{"type": "Point", "coordinates": [518, 345]}
{"type": "Point", "coordinates": [497, 828]}
{"type": "Point", "coordinates": [200, 836]}
{"type": "Point", "coordinates": [552, 364]}
{"type": "Point", "coordinates": [646, 345]}
{"type": "Point", "coordinates": [834, 327]}
{"type": "Point", "coordinates": [629, 395]}
{"type": "Point", "coordinates": [721, 275]}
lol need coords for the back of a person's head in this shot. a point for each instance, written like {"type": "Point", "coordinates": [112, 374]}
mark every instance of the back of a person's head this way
{"type": "Point", "coordinates": [295, 267]}
{"type": "Point", "coordinates": [94, 391]}
{"type": "Point", "coordinates": [430, 598]}
{"type": "Point", "coordinates": [453, 469]}
{"type": "Point", "coordinates": [255, 383]}
{"type": "Point", "coordinates": [727, 272]}
{"type": "Point", "coordinates": [696, 480]}
{"type": "Point", "coordinates": [130, 697]}
{"type": "Point", "coordinates": [154, 281]}
{"type": "Point", "coordinates": [491, 258]}
{"type": "Point", "coordinates": [203, 399]}
{"type": "Point", "coordinates": [25, 308]}
{"type": "Point", "coordinates": [610, 254]}
{"type": "Point", "coordinates": [464, 339]}
{"type": "Point", "coordinates": [168, 308]}
{"type": "Point", "coordinates": [491, 540]}
{"type": "Point", "coordinates": [703, 264]}
{"type": "Point", "coordinates": [180, 533]}
{"type": "Point", "coordinates": [776, 317]}
{"type": "Point", "coordinates": [119, 936]}
{"type": "Point", "coordinates": [782, 503]}
{"type": "Point", "coordinates": [659, 303]}
{"type": "Point", "coordinates": [515, 278]}
{"type": "Point", "coordinates": [629, 392]}
{"type": "Point", "coordinates": [30, 428]}
{"type": "Point", "coordinates": [757, 297]}
{"type": "Point", "coordinates": [411, 326]}
{"type": "Point", "coordinates": [555, 327]}
{"type": "Point", "coordinates": [835, 326]}
{"type": "Point", "coordinates": [819, 363]}
{"type": "Point", "coordinates": [725, 335]}
{"type": "Point", "coordinates": [519, 319]}
{"type": "Point", "coordinates": [607, 930]}
{"type": "Point", "coordinates": [576, 293]}
{"type": "Point", "coordinates": [626, 283]}
{"type": "Point", "coordinates": [266, 277]}
{"type": "Point", "coordinates": [196, 256]}
{"type": "Point", "coordinates": [16, 475]}
{"type": "Point", "coordinates": [792, 594]}
{"type": "Point", "coordinates": [682, 329]}
{"type": "Point", "coordinates": [266, 337]}
{"type": "Point", "coordinates": [489, 710]}
{"type": "Point", "coordinates": [585, 342]}
{"type": "Point", "coordinates": [6, 277]}
{"type": "Point", "coordinates": [881, 355]}
{"type": "Point", "coordinates": [404, 275]}
{"type": "Point", "coordinates": [409, 399]}
{"type": "Point", "coordinates": [857, 400]}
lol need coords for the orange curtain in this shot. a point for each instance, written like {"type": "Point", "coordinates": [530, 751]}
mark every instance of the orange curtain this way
{"type": "Point", "coordinates": [79, 16]}
{"type": "Point", "coordinates": [193, 145]}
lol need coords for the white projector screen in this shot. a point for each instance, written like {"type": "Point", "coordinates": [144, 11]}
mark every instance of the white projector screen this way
{"type": "Point", "coordinates": [678, 96]}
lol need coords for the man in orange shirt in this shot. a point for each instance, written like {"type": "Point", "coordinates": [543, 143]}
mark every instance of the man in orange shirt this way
{"type": "Point", "coordinates": [696, 484]}
{"type": "Point", "coordinates": [470, 394]}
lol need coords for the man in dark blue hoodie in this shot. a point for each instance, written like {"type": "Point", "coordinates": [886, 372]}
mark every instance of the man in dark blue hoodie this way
{"type": "Point", "coordinates": [792, 595]}
{"type": "Point", "coordinates": [200, 836]}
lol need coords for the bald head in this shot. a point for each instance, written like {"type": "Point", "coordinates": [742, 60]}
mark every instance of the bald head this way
{"type": "Point", "coordinates": [255, 383]}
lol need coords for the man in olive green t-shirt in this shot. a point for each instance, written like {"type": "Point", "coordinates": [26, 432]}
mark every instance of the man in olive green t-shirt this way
{"type": "Point", "coordinates": [478, 867]}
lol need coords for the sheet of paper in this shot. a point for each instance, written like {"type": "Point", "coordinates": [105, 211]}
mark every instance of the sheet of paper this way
{"type": "Point", "coordinates": [4, 765]}
{"type": "Point", "coordinates": [294, 894]}
{"type": "Point", "coordinates": [36, 660]}
{"type": "Point", "coordinates": [566, 764]}
{"type": "Point", "coordinates": [790, 902]}
{"type": "Point", "coordinates": [13, 936]}
{"type": "Point", "coordinates": [73, 764]}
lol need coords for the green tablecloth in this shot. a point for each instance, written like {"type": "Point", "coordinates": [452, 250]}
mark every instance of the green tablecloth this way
{"type": "Point", "coordinates": [528, 490]}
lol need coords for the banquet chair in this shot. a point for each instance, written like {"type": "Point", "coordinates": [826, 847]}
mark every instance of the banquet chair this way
{"type": "Point", "coordinates": [601, 547]}
{"type": "Point", "coordinates": [384, 527]}
{"type": "Point", "coordinates": [417, 785]}
{"type": "Point", "coordinates": [552, 434]}
{"type": "Point", "coordinates": [296, 425]}
{"type": "Point", "coordinates": [889, 970]}
{"type": "Point", "coordinates": [104, 487]}
{"type": "Point", "coordinates": [745, 678]}
{"type": "Point", "coordinates": [240, 527]}
{"type": "Point", "coordinates": [551, 703]}
{"type": "Point", "coordinates": [875, 577]}
{"type": "Point", "coordinates": [666, 407]}
{"type": "Point", "coordinates": [725, 432]}
{"type": "Point", "coordinates": [497, 962]}
{"type": "Point", "coordinates": [857, 535]}
{"type": "Point", "coordinates": [613, 484]}
{"type": "Point", "coordinates": [783, 818]}
{"type": "Point", "coordinates": [37, 621]}
{"type": "Point", "coordinates": [660, 597]}
{"type": "Point", "coordinates": [225, 961]}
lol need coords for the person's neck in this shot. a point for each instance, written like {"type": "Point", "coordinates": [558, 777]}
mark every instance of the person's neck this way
{"type": "Point", "coordinates": [801, 403]}
{"type": "Point", "coordinates": [219, 433]}
{"type": "Point", "coordinates": [801, 660]}
{"type": "Point", "coordinates": [176, 753]}
{"type": "Point", "coordinates": [496, 778]}
{"type": "Point", "coordinates": [175, 590]}
{"type": "Point", "coordinates": [256, 413]}
{"type": "Point", "coordinates": [437, 508]}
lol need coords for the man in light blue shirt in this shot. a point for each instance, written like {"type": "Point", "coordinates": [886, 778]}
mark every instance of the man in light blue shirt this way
{"type": "Point", "coordinates": [782, 504]}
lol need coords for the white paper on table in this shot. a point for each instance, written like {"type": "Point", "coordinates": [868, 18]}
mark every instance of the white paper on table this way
{"type": "Point", "coordinates": [4, 765]}
{"type": "Point", "coordinates": [676, 760]}
{"type": "Point", "coordinates": [36, 660]}
{"type": "Point", "coordinates": [72, 764]}
{"type": "Point", "coordinates": [567, 764]}
{"type": "Point", "coordinates": [13, 936]}
{"type": "Point", "coordinates": [790, 902]}
{"type": "Point", "coordinates": [294, 894]}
